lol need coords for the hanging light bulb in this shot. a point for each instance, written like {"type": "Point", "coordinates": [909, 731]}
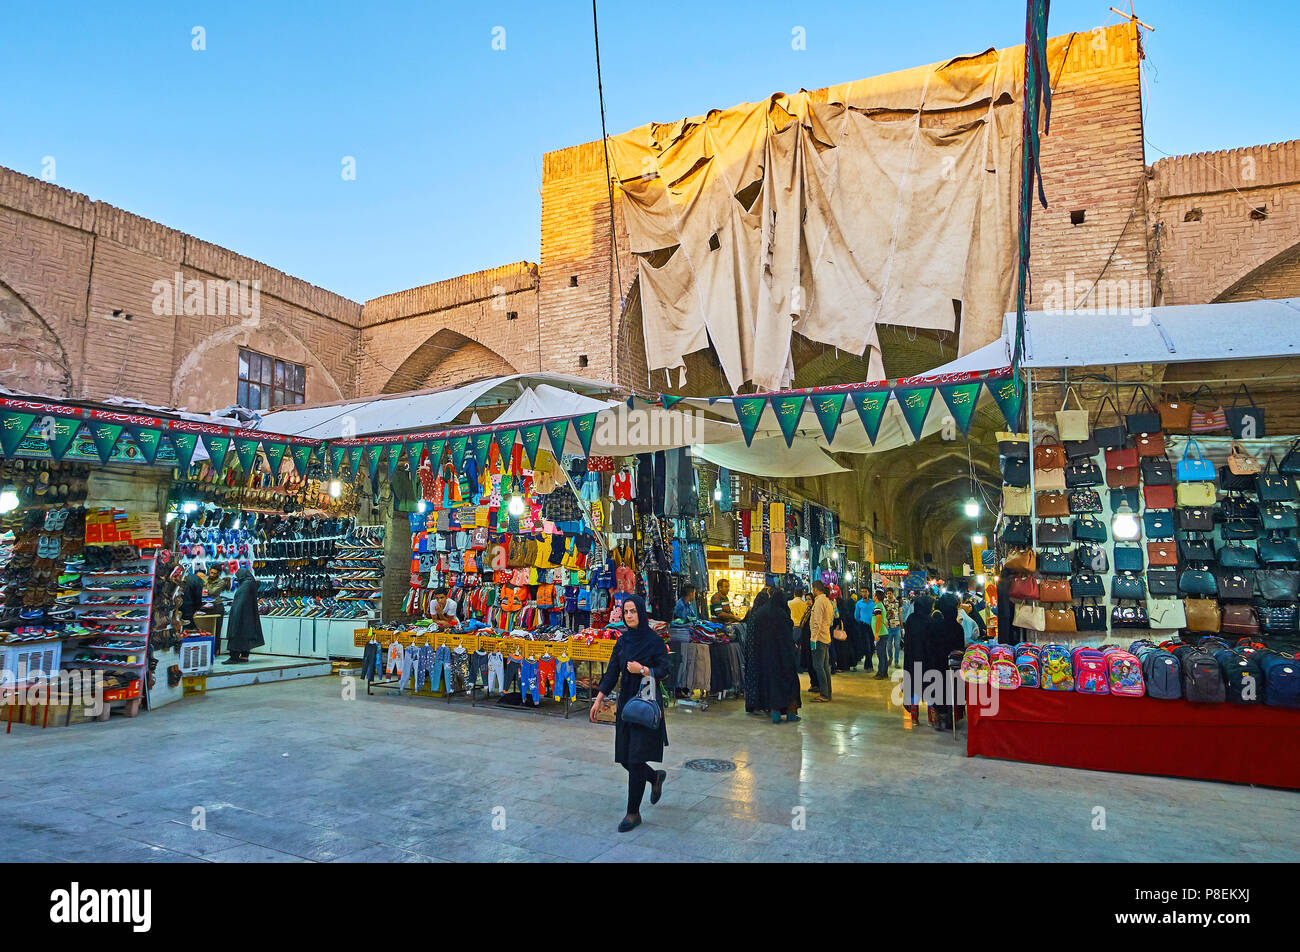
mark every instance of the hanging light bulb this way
{"type": "Point", "coordinates": [977, 539]}
{"type": "Point", "coordinates": [336, 489]}
{"type": "Point", "coordinates": [717, 493]}
{"type": "Point", "coordinates": [422, 506]}
{"type": "Point", "coordinates": [972, 508]}
{"type": "Point", "coordinates": [516, 505]}
{"type": "Point", "coordinates": [1125, 525]}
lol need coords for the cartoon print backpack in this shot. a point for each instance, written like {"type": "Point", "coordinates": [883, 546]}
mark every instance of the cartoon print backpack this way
{"type": "Point", "coordinates": [1001, 653]}
{"type": "Point", "coordinates": [1005, 674]}
{"type": "Point", "coordinates": [975, 668]}
{"type": "Point", "coordinates": [1027, 656]}
{"type": "Point", "coordinates": [1056, 673]}
{"type": "Point", "coordinates": [1124, 673]}
{"type": "Point", "coordinates": [1090, 675]}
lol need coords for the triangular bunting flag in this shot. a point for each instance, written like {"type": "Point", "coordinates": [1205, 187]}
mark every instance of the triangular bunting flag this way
{"type": "Point", "coordinates": [354, 461]}
{"type": "Point", "coordinates": [915, 404]}
{"type": "Point", "coordinates": [246, 450]}
{"type": "Point", "coordinates": [394, 458]}
{"type": "Point", "coordinates": [482, 446]}
{"type": "Point", "coordinates": [13, 427]}
{"type": "Point", "coordinates": [275, 456]}
{"type": "Point", "coordinates": [670, 401]}
{"type": "Point", "coordinates": [335, 456]}
{"type": "Point", "coordinates": [1008, 394]}
{"type": "Point", "coordinates": [105, 436]}
{"type": "Point", "coordinates": [788, 411]}
{"type": "Point", "coordinates": [530, 436]}
{"type": "Point", "coordinates": [505, 440]}
{"type": "Point", "coordinates": [148, 441]}
{"type": "Point", "coordinates": [749, 410]}
{"type": "Point", "coordinates": [585, 427]}
{"type": "Point", "coordinates": [217, 447]}
{"type": "Point", "coordinates": [828, 408]}
{"type": "Point", "coordinates": [558, 431]}
{"type": "Point", "coordinates": [372, 459]}
{"type": "Point", "coordinates": [961, 399]}
{"type": "Point", "coordinates": [415, 451]}
{"type": "Point", "coordinates": [871, 408]}
{"type": "Point", "coordinates": [301, 456]}
{"type": "Point", "coordinates": [184, 444]}
{"type": "Point", "coordinates": [458, 444]}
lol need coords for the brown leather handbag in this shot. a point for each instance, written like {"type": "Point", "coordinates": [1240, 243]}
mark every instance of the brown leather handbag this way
{"type": "Point", "coordinates": [1059, 619]}
{"type": "Point", "coordinates": [1123, 478]}
{"type": "Point", "coordinates": [1024, 560]}
{"type": "Point", "coordinates": [1203, 614]}
{"type": "Point", "coordinates": [1175, 413]}
{"type": "Point", "coordinates": [1162, 553]}
{"type": "Point", "coordinates": [1053, 505]}
{"type": "Point", "coordinates": [1049, 455]}
{"type": "Point", "coordinates": [1054, 590]}
{"type": "Point", "coordinates": [1239, 620]}
{"type": "Point", "coordinates": [1024, 588]}
{"type": "Point", "coordinates": [1150, 444]}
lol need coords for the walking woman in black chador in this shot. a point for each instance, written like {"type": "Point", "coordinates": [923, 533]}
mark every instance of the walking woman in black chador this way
{"type": "Point", "coordinates": [638, 651]}
{"type": "Point", "coordinates": [914, 653]}
{"type": "Point", "coordinates": [755, 700]}
{"type": "Point", "coordinates": [774, 658]}
{"type": "Point", "coordinates": [943, 635]}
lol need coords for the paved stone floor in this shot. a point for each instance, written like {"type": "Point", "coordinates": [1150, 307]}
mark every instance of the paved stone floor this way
{"type": "Point", "coordinates": [294, 772]}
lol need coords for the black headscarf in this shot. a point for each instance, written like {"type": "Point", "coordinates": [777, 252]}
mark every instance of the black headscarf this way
{"type": "Point", "coordinates": [244, 630]}
{"type": "Point", "coordinates": [642, 639]}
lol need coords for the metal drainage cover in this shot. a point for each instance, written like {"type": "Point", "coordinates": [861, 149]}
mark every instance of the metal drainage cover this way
{"type": "Point", "coordinates": [710, 766]}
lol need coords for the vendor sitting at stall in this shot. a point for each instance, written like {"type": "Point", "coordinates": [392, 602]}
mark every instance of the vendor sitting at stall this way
{"type": "Point", "coordinates": [685, 609]}
{"type": "Point", "coordinates": [720, 604]}
{"type": "Point", "coordinates": [442, 609]}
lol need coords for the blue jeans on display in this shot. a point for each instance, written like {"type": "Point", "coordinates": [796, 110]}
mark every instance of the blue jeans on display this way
{"type": "Point", "coordinates": [821, 659]}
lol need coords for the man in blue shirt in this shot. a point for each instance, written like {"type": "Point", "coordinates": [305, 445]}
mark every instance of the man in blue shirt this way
{"type": "Point", "coordinates": [862, 614]}
{"type": "Point", "coordinates": [685, 610]}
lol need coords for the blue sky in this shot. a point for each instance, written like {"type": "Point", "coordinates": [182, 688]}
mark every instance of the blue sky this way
{"type": "Point", "coordinates": [242, 143]}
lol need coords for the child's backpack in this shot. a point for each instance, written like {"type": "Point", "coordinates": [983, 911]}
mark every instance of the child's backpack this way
{"type": "Point", "coordinates": [1001, 653]}
{"type": "Point", "coordinates": [1029, 648]}
{"type": "Point", "coordinates": [1202, 679]}
{"type": "Point", "coordinates": [1027, 665]}
{"type": "Point", "coordinates": [1004, 674]}
{"type": "Point", "coordinates": [1055, 671]}
{"type": "Point", "coordinates": [1124, 673]}
{"type": "Point", "coordinates": [1281, 678]}
{"type": "Point", "coordinates": [975, 666]}
{"type": "Point", "coordinates": [1242, 679]}
{"type": "Point", "coordinates": [1161, 673]}
{"type": "Point", "coordinates": [1247, 645]}
{"type": "Point", "coordinates": [1090, 675]}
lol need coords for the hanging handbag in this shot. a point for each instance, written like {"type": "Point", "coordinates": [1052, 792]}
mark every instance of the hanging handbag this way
{"type": "Point", "coordinates": [1239, 620]}
{"type": "Point", "coordinates": [1245, 420]}
{"type": "Point", "coordinates": [1193, 495]}
{"type": "Point", "coordinates": [1050, 479]}
{"type": "Point", "coordinates": [1127, 585]}
{"type": "Point", "coordinates": [1146, 419]}
{"type": "Point", "coordinates": [1015, 472]}
{"type": "Point", "coordinates": [1129, 616]}
{"type": "Point", "coordinates": [1055, 590]}
{"type": "Point", "coordinates": [1054, 563]}
{"type": "Point", "coordinates": [1150, 445]}
{"type": "Point", "coordinates": [1290, 465]}
{"type": "Point", "coordinates": [1031, 616]}
{"type": "Point", "coordinates": [1175, 414]}
{"type": "Point", "coordinates": [1072, 424]}
{"type": "Point", "coordinates": [1083, 472]}
{"type": "Point", "coordinates": [1113, 435]}
{"type": "Point", "coordinates": [1013, 445]}
{"type": "Point", "coordinates": [1237, 556]}
{"type": "Point", "coordinates": [1049, 455]}
{"type": "Point", "coordinates": [1053, 533]}
{"type": "Point", "coordinates": [643, 710]}
{"type": "Point", "coordinates": [1162, 553]}
{"type": "Point", "coordinates": [1125, 477]}
{"type": "Point", "coordinates": [1241, 463]}
{"type": "Point", "coordinates": [1277, 516]}
{"type": "Point", "coordinates": [1089, 618]}
{"type": "Point", "coordinates": [1016, 531]}
{"type": "Point", "coordinates": [1130, 497]}
{"type": "Point", "coordinates": [1166, 613]}
{"type": "Point", "coordinates": [1160, 497]}
{"type": "Point", "coordinates": [1157, 472]}
{"type": "Point", "coordinates": [1272, 486]}
{"type": "Point", "coordinates": [1129, 558]}
{"type": "Point", "coordinates": [1207, 421]}
{"type": "Point", "coordinates": [1239, 529]}
{"type": "Point", "coordinates": [1158, 524]}
{"type": "Point", "coordinates": [1091, 558]}
{"type": "Point", "coordinates": [1058, 619]}
{"type": "Point", "coordinates": [1197, 582]}
{"type": "Point", "coordinates": [1122, 458]}
{"type": "Point", "coordinates": [1024, 588]}
{"type": "Point", "coordinates": [1084, 501]}
{"type": "Point", "coordinates": [1162, 581]}
{"type": "Point", "coordinates": [1081, 449]}
{"type": "Point", "coordinates": [1236, 509]}
{"type": "Point", "coordinates": [1087, 585]}
{"type": "Point", "coordinates": [1277, 585]}
{"type": "Point", "coordinates": [1203, 614]}
{"type": "Point", "coordinates": [1194, 469]}
{"type": "Point", "coordinates": [1085, 529]}
{"type": "Point", "coordinates": [1275, 550]}
{"type": "Point", "coordinates": [1016, 501]}
{"type": "Point", "coordinates": [1025, 560]}
{"type": "Point", "coordinates": [1196, 550]}
{"type": "Point", "coordinates": [1235, 583]}
{"type": "Point", "coordinates": [1278, 619]}
{"type": "Point", "coordinates": [1053, 505]}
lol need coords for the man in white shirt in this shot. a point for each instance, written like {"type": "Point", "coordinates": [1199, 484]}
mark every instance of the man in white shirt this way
{"type": "Point", "coordinates": [442, 609]}
{"type": "Point", "coordinates": [823, 615]}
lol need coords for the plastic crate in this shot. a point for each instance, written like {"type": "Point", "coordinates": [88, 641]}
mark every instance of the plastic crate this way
{"type": "Point", "coordinates": [122, 694]}
{"type": "Point", "coordinates": [21, 662]}
{"type": "Point", "coordinates": [196, 654]}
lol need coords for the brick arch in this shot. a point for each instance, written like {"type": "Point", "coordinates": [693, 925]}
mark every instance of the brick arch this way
{"type": "Point", "coordinates": [34, 358]}
{"type": "Point", "coordinates": [1277, 277]}
{"type": "Point", "coordinates": [445, 359]}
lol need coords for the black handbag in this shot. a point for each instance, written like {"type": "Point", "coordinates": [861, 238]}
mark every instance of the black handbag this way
{"type": "Point", "coordinates": [1276, 515]}
{"type": "Point", "coordinates": [1162, 581]}
{"type": "Point", "coordinates": [1196, 550]}
{"type": "Point", "coordinates": [1231, 482]}
{"type": "Point", "coordinates": [1239, 509]}
{"type": "Point", "coordinates": [1129, 558]}
{"type": "Point", "coordinates": [1276, 619]}
{"type": "Point", "coordinates": [1158, 524]}
{"type": "Point", "coordinates": [1089, 617]}
{"type": "Point", "coordinates": [1239, 529]}
{"type": "Point", "coordinates": [1129, 616]}
{"type": "Point", "coordinates": [1147, 417]}
{"type": "Point", "coordinates": [1087, 529]}
{"type": "Point", "coordinates": [1290, 465]}
{"type": "Point", "coordinates": [1083, 472]}
{"type": "Point", "coordinates": [1087, 585]}
{"type": "Point", "coordinates": [1053, 533]}
{"type": "Point", "coordinates": [1127, 585]}
{"type": "Point", "coordinates": [1272, 486]}
{"type": "Point", "coordinates": [1054, 563]}
{"type": "Point", "coordinates": [1235, 583]}
{"type": "Point", "coordinates": [1196, 519]}
{"type": "Point", "coordinates": [1109, 437]}
{"type": "Point", "coordinates": [1278, 550]}
{"type": "Point", "coordinates": [1197, 582]}
{"type": "Point", "coordinates": [1236, 556]}
{"type": "Point", "coordinates": [1080, 449]}
{"type": "Point", "coordinates": [1016, 531]}
{"type": "Point", "coordinates": [1015, 472]}
{"type": "Point", "coordinates": [1157, 471]}
{"type": "Point", "coordinates": [1131, 497]}
{"type": "Point", "coordinates": [1091, 558]}
{"type": "Point", "coordinates": [1084, 501]}
{"type": "Point", "coordinates": [1245, 420]}
{"type": "Point", "coordinates": [1277, 585]}
{"type": "Point", "coordinates": [643, 710]}
{"type": "Point", "coordinates": [1014, 449]}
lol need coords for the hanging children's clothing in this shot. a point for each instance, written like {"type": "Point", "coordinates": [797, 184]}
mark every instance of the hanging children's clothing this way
{"type": "Point", "coordinates": [478, 668]}
{"type": "Point", "coordinates": [496, 672]}
{"type": "Point", "coordinates": [396, 658]}
{"type": "Point", "coordinates": [621, 487]}
{"type": "Point", "coordinates": [529, 679]}
{"type": "Point", "coordinates": [372, 665]}
{"type": "Point", "coordinates": [565, 680]}
{"type": "Point", "coordinates": [513, 667]}
{"type": "Point", "coordinates": [458, 670]}
{"type": "Point", "coordinates": [546, 675]}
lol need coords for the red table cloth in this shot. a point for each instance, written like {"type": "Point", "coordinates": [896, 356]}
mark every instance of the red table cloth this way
{"type": "Point", "coordinates": [1241, 743]}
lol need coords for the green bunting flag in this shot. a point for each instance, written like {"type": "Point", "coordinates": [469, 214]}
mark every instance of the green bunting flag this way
{"type": "Point", "coordinates": [585, 426]}
{"type": "Point", "coordinates": [1008, 395]}
{"type": "Point", "coordinates": [246, 450]}
{"type": "Point", "coordinates": [301, 456]}
{"type": "Point", "coordinates": [530, 436]}
{"type": "Point", "coordinates": [788, 410]}
{"type": "Point", "coordinates": [183, 443]}
{"type": "Point", "coordinates": [148, 441]}
{"type": "Point", "coordinates": [871, 408]}
{"type": "Point", "coordinates": [217, 447]}
{"type": "Point", "coordinates": [372, 459]}
{"type": "Point", "coordinates": [670, 401]}
{"type": "Point", "coordinates": [336, 454]}
{"type": "Point", "coordinates": [558, 431]}
{"type": "Point", "coordinates": [275, 456]}
{"type": "Point", "coordinates": [915, 404]}
{"type": "Point", "coordinates": [458, 444]}
{"type": "Point", "coordinates": [394, 457]}
{"type": "Point", "coordinates": [105, 436]}
{"type": "Point", "coordinates": [415, 451]}
{"type": "Point", "coordinates": [436, 449]}
{"type": "Point", "coordinates": [505, 440]}
{"type": "Point", "coordinates": [13, 427]}
{"type": "Point", "coordinates": [748, 412]}
{"type": "Point", "coordinates": [482, 446]}
{"type": "Point", "coordinates": [961, 399]}
{"type": "Point", "coordinates": [354, 461]}
{"type": "Point", "coordinates": [828, 408]}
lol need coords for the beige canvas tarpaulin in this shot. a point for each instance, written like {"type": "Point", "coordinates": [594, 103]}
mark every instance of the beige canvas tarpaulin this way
{"type": "Point", "coordinates": [820, 214]}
